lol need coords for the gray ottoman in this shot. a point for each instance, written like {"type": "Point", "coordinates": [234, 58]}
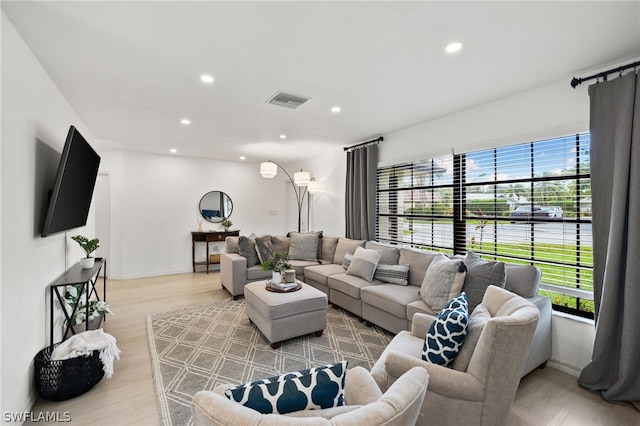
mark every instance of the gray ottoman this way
{"type": "Point", "coordinates": [282, 316]}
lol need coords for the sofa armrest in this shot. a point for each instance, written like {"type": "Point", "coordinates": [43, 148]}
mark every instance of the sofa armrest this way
{"type": "Point", "coordinates": [360, 388]}
{"type": "Point", "coordinates": [210, 409]}
{"type": "Point", "coordinates": [421, 323]}
{"type": "Point", "coordinates": [442, 380]}
{"type": "Point", "coordinates": [233, 273]}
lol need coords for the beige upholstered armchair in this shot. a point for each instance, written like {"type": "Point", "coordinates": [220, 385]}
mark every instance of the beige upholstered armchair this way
{"type": "Point", "coordinates": [364, 405]}
{"type": "Point", "coordinates": [480, 386]}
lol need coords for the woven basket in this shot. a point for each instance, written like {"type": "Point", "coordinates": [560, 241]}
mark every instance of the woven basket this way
{"type": "Point", "coordinates": [67, 378]}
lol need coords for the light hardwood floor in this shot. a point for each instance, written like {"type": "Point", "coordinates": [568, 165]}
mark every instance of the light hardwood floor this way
{"type": "Point", "coordinates": [545, 397]}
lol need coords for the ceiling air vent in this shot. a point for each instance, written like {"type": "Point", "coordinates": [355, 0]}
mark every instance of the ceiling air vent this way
{"type": "Point", "coordinates": [286, 100]}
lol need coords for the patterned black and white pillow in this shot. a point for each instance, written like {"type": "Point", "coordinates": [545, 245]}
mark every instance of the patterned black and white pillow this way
{"type": "Point", "coordinates": [310, 389]}
{"type": "Point", "coordinates": [393, 274]}
{"type": "Point", "coordinates": [447, 332]}
{"type": "Point", "coordinates": [346, 261]}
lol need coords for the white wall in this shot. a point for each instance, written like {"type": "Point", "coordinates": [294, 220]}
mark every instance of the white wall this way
{"type": "Point", "coordinates": [549, 111]}
{"type": "Point", "coordinates": [35, 121]}
{"type": "Point", "coordinates": [154, 208]}
{"type": "Point", "coordinates": [327, 208]}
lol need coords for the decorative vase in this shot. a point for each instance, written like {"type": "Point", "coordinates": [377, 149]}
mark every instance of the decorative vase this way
{"type": "Point", "coordinates": [276, 277]}
{"type": "Point", "coordinates": [290, 276]}
{"type": "Point", "coordinates": [94, 324]}
{"type": "Point", "coordinates": [87, 262]}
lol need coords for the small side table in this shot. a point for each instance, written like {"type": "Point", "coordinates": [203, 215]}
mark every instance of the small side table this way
{"type": "Point", "coordinates": [208, 237]}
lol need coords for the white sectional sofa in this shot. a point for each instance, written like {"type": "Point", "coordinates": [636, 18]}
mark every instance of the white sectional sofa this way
{"type": "Point", "coordinates": [386, 300]}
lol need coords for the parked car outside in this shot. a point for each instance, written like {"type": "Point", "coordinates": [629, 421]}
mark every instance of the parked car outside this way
{"type": "Point", "coordinates": [526, 212]}
{"type": "Point", "coordinates": [554, 211]}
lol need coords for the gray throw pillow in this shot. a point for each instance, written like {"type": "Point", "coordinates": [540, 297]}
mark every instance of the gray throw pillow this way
{"type": "Point", "coordinates": [392, 274]}
{"type": "Point", "coordinates": [442, 282]}
{"type": "Point", "coordinates": [480, 275]}
{"type": "Point", "coordinates": [303, 246]}
{"type": "Point", "coordinates": [247, 249]}
{"type": "Point", "coordinates": [264, 248]}
{"type": "Point", "coordinates": [280, 245]}
{"type": "Point", "coordinates": [364, 263]}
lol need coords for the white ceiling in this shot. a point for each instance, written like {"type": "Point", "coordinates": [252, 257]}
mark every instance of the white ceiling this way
{"type": "Point", "coordinates": [131, 69]}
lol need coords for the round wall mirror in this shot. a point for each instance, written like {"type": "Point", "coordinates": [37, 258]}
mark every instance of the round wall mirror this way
{"type": "Point", "coordinates": [216, 206]}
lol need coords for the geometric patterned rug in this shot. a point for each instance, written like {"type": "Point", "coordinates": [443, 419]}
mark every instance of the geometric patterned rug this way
{"type": "Point", "coordinates": [200, 347]}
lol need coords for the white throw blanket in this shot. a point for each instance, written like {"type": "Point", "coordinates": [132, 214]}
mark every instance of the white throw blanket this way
{"type": "Point", "coordinates": [84, 343]}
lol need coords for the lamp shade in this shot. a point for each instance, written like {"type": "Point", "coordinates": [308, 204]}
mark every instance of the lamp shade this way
{"type": "Point", "coordinates": [268, 169]}
{"type": "Point", "coordinates": [315, 187]}
{"type": "Point", "coordinates": [302, 178]}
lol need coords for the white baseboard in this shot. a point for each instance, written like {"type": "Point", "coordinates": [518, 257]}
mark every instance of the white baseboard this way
{"type": "Point", "coordinates": [565, 367]}
{"type": "Point", "coordinates": [151, 274]}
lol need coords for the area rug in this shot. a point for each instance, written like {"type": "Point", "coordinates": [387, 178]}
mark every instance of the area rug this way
{"type": "Point", "coordinates": [200, 347]}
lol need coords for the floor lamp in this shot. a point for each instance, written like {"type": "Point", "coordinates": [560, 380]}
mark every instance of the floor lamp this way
{"type": "Point", "coordinates": [300, 181]}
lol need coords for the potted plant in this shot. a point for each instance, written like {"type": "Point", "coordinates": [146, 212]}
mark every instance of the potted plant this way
{"type": "Point", "coordinates": [89, 246]}
{"type": "Point", "coordinates": [226, 224]}
{"type": "Point", "coordinates": [74, 296]}
{"type": "Point", "coordinates": [277, 265]}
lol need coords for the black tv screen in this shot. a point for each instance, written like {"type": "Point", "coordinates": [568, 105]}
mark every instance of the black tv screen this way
{"type": "Point", "coordinates": [72, 191]}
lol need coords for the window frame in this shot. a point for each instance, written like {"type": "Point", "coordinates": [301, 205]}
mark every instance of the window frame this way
{"type": "Point", "coordinates": [461, 218]}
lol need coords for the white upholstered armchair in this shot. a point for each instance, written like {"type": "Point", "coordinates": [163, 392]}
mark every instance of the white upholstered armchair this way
{"type": "Point", "coordinates": [365, 404]}
{"type": "Point", "coordinates": [481, 385]}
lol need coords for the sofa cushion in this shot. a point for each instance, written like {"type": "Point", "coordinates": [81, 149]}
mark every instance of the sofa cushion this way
{"type": "Point", "coordinates": [321, 273]}
{"type": "Point", "coordinates": [391, 298]}
{"type": "Point", "coordinates": [418, 306]}
{"type": "Point", "coordinates": [346, 245]}
{"type": "Point", "coordinates": [328, 248]}
{"type": "Point", "coordinates": [364, 263]}
{"type": "Point", "coordinates": [314, 388]}
{"type": "Point", "coordinates": [389, 253]}
{"type": "Point", "coordinates": [418, 261]}
{"type": "Point", "coordinates": [255, 273]}
{"type": "Point", "coordinates": [303, 246]}
{"type": "Point", "coordinates": [442, 282]}
{"type": "Point", "coordinates": [348, 284]}
{"type": "Point", "coordinates": [480, 275]}
{"type": "Point", "coordinates": [301, 265]}
{"type": "Point", "coordinates": [393, 274]}
{"type": "Point", "coordinates": [247, 249]}
{"type": "Point", "coordinates": [477, 321]}
{"type": "Point", "coordinates": [446, 335]}
{"type": "Point", "coordinates": [280, 244]}
{"type": "Point", "coordinates": [264, 248]}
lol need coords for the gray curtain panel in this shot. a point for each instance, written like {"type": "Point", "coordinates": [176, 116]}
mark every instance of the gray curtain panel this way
{"type": "Point", "coordinates": [360, 198]}
{"type": "Point", "coordinates": [614, 371]}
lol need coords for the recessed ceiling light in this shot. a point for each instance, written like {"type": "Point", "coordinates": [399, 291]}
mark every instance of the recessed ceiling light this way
{"type": "Point", "coordinates": [453, 47]}
{"type": "Point", "coordinates": [173, 150]}
{"type": "Point", "coordinates": [283, 136]}
{"type": "Point", "coordinates": [242, 157]}
{"type": "Point", "coordinates": [336, 109]}
{"type": "Point", "coordinates": [185, 121]}
{"type": "Point", "coordinates": [206, 78]}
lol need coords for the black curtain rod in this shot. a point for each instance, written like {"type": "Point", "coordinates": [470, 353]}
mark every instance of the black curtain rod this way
{"type": "Point", "coordinates": [576, 81]}
{"type": "Point", "coordinates": [380, 139]}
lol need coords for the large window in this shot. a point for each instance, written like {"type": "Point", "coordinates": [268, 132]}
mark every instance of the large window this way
{"type": "Point", "coordinates": [528, 203]}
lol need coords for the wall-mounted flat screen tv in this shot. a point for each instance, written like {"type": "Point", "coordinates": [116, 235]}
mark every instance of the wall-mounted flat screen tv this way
{"type": "Point", "coordinates": [72, 191]}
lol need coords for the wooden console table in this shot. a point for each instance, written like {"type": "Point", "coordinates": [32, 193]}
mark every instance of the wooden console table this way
{"type": "Point", "coordinates": [208, 237]}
